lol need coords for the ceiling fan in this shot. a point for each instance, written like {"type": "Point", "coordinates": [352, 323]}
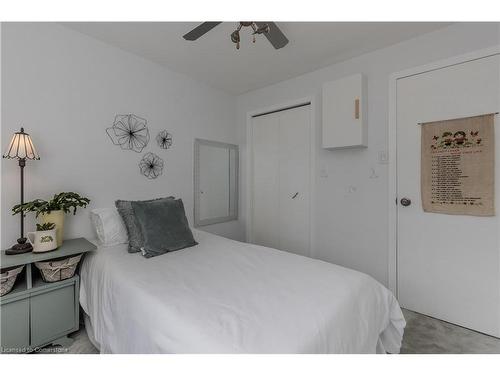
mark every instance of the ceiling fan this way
{"type": "Point", "coordinates": [269, 29]}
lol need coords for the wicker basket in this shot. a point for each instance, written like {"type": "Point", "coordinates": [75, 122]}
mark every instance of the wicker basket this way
{"type": "Point", "coordinates": [58, 269]}
{"type": "Point", "coordinates": [8, 279]}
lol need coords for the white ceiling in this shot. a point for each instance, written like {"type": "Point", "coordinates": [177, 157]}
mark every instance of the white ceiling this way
{"type": "Point", "coordinates": [214, 59]}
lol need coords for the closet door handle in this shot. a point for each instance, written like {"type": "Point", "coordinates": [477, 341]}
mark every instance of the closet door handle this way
{"type": "Point", "coordinates": [356, 109]}
{"type": "Point", "coordinates": [295, 195]}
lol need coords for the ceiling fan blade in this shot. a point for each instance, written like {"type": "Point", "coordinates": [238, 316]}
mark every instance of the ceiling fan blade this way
{"type": "Point", "coordinates": [200, 30]}
{"type": "Point", "coordinates": [275, 36]}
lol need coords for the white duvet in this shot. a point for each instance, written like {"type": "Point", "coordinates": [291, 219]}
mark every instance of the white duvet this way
{"type": "Point", "coordinates": [224, 296]}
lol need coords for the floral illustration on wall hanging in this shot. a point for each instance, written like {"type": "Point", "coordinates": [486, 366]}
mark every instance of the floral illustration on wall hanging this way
{"type": "Point", "coordinates": [151, 165]}
{"type": "Point", "coordinates": [459, 139]}
{"type": "Point", "coordinates": [130, 132]}
{"type": "Point", "coordinates": [164, 139]}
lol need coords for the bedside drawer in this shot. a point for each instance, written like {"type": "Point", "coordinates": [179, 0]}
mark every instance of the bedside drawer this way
{"type": "Point", "coordinates": [15, 324]}
{"type": "Point", "coordinates": [53, 313]}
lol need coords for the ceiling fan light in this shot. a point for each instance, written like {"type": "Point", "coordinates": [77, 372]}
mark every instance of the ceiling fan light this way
{"type": "Point", "coordinates": [270, 30]}
{"type": "Point", "coordinates": [262, 29]}
{"type": "Point", "coordinates": [235, 36]}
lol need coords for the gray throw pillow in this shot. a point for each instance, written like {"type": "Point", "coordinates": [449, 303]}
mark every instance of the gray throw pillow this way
{"type": "Point", "coordinates": [164, 226]}
{"type": "Point", "coordinates": [135, 239]}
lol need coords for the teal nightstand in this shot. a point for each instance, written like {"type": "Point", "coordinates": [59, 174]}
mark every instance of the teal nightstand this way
{"type": "Point", "coordinates": [36, 313]}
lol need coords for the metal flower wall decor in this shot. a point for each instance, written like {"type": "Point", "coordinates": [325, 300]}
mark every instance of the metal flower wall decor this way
{"type": "Point", "coordinates": [164, 139]}
{"type": "Point", "coordinates": [151, 165]}
{"type": "Point", "coordinates": [130, 132]}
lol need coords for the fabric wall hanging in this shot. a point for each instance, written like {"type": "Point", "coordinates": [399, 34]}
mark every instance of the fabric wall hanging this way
{"type": "Point", "coordinates": [151, 165]}
{"type": "Point", "coordinates": [130, 132]}
{"type": "Point", "coordinates": [457, 166]}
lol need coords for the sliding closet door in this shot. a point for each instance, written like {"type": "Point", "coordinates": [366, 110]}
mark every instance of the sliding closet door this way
{"type": "Point", "coordinates": [294, 148]}
{"type": "Point", "coordinates": [281, 178]}
{"type": "Point", "coordinates": [265, 221]}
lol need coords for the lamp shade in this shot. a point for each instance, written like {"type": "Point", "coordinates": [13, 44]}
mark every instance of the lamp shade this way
{"type": "Point", "coordinates": [21, 147]}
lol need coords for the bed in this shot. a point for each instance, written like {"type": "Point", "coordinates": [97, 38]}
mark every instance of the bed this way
{"type": "Point", "coordinates": [224, 296]}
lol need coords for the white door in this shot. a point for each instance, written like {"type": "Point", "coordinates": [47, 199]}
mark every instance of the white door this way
{"type": "Point", "coordinates": [281, 178]}
{"type": "Point", "coordinates": [448, 265]}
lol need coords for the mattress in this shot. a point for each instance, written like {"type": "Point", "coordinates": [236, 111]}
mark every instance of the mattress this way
{"type": "Point", "coordinates": [224, 296]}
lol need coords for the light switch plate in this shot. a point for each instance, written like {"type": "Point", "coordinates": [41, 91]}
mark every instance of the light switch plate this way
{"type": "Point", "coordinates": [383, 157]}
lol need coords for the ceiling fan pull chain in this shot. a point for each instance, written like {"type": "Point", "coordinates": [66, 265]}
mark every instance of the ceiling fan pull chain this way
{"type": "Point", "coordinates": [238, 44]}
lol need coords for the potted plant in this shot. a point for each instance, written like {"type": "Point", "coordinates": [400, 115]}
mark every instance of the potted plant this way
{"type": "Point", "coordinates": [53, 210]}
{"type": "Point", "coordinates": [44, 239]}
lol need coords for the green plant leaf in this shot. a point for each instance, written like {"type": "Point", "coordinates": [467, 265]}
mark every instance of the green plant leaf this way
{"type": "Point", "coordinates": [45, 226]}
{"type": "Point", "coordinates": [65, 201]}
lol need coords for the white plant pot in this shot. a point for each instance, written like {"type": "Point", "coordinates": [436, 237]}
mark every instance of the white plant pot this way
{"type": "Point", "coordinates": [56, 217]}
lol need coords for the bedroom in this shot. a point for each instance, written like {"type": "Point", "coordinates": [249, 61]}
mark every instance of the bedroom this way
{"type": "Point", "coordinates": [300, 141]}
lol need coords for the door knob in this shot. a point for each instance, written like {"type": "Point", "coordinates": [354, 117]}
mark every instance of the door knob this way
{"type": "Point", "coordinates": [405, 202]}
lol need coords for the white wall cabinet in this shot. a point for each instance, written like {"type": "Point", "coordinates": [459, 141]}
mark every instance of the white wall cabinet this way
{"type": "Point", "coordinates": [344, 108]}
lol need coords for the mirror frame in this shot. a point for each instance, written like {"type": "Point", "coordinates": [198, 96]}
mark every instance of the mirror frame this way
{"type": "Point", "coordinates": [233, 198]}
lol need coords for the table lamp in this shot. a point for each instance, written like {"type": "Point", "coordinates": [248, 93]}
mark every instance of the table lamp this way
{"type": "Point", "coordinates": [21, 148]}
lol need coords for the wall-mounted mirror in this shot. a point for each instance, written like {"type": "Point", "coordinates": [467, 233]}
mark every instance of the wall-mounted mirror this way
{"type": "Point", "coordinates": [215, 182]}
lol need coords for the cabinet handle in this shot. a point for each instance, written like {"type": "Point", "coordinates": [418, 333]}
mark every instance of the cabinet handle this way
{"type": "Point", "coordinates": [356, 109]}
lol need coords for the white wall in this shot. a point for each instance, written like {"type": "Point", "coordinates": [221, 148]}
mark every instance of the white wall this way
{"type": "Point", "coordinates": [65, 88]}
{"type": "Point", "coordinates": [1, 138]}
{"type": "Point", "coordinates": [351, 221]}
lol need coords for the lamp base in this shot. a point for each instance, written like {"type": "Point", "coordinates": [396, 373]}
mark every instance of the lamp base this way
{"type": "Point", "coordinates": [20, 247]}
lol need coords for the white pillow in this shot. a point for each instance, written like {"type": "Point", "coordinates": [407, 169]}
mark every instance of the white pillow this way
{"type": "Point", "coordinates": [109, 226]}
